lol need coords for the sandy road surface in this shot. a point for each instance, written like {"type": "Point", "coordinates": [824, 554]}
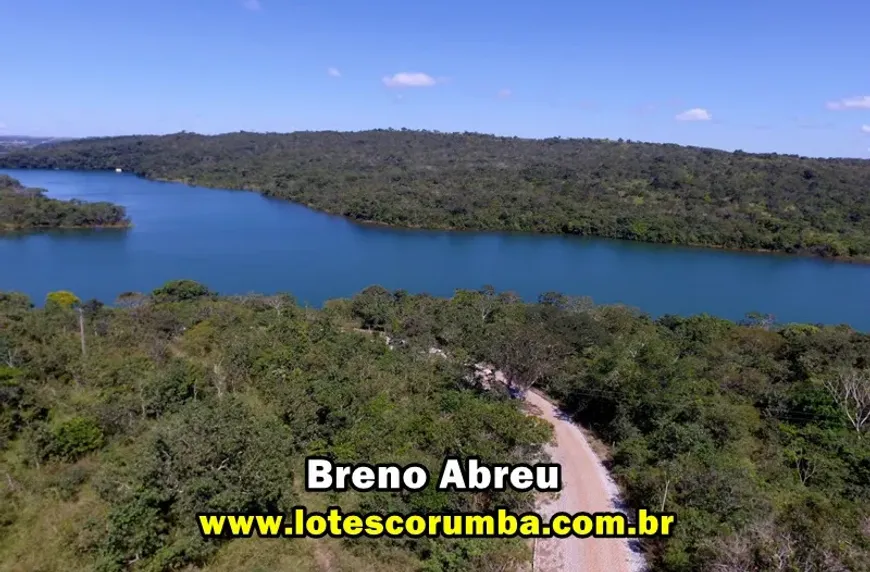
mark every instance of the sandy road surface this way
{"type": "Point", "coordinates": [586, 487]}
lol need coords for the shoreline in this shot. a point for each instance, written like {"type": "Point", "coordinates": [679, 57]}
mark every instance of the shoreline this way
{"type": "Point", "coordinates": [859, 260]}
{"type": "Point", "coordinates": [30, 229]}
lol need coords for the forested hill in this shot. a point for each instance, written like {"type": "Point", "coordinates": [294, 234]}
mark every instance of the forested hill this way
{"type": "Point", "coordinates": [115, 434]}
{"type": "Point", "coordinates": [618, 189]}
{"type": "Point", "coordinates": [28, 209]}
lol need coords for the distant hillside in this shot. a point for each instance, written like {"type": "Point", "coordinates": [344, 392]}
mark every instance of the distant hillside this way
{"type": "Point", "coordinates": [10, 143]}
{"type": "Point", "coordinates": [28, 209]}
{"type": "Point", "coordinates": [617, 189]}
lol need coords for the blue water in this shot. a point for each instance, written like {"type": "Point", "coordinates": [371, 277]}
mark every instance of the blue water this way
{"type": "Point", "coordinates": [239, 242]}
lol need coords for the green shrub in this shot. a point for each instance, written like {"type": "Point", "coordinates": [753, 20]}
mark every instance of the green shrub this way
{"type": "Point", "coordinates": [178, 290]}
{"type": "Point", "coordinates": [69, 481]}
{"type": "Point", "coordinates": [10, 404]}
{"type": "Point", "coordinates": [76, 437]}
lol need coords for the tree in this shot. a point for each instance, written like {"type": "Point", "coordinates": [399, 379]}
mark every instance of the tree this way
{"type": "Point", "coordinates": [526, 354]}
{"type": "Point", "coordinates": [481, 303]}
{"type": "Point", "coordinates": [131, 299]}
{"type": "Point", "coordinates": [61, 299]}
{"type": "Point", "coordinates": [11, 394]}
{"type": "Point", "coordinates": [92, 307]}
{"type": "Point", "coordinates": [850, 389]}
{"type": "Point", "coordinates": [759, 320]}
{"type": "Point", "coordinates": [374, 305]}
{"type": "Point", "coordinates": [74, 438]}
{"type": "Point", "coordinates": [179, 290]}
{"type": "Point", "coordinates": [14, 301]}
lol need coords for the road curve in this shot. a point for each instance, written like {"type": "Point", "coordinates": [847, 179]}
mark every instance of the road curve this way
{"type": "Point", "coordinates": [586, 487]}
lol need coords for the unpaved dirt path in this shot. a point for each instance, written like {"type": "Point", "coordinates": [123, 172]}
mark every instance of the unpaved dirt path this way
{"type": "Point", "coordinates": [586, 487]}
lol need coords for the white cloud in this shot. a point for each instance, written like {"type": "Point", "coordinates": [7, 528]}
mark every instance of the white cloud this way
{"type": "Point", "coordinates": [253, 5]}
{"type": "Point", "coordinates": [696, 114]}
{"type": "Point", "coordinates": [864, 128]}
{"type": "Point", "coordinates": [409, 79]}
{"type": "Point", "coordinates": [857, 102]}
{"type": "Point", "coordinates": [2, 126]}
{"type": "Point", "coordinates": [504, 93]}
{"type": "Point", "coordinates": [333, 72]}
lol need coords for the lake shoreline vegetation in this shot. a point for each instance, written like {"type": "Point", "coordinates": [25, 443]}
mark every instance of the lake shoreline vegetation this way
{"type": "Point", "coordinates": [117, 424]}
{"type": "Point", "coordinates": [26, 210]}
{"type": "Point", "coordinates": [645, 192]}
{"type": "Point", "coordinates": [862, 260]}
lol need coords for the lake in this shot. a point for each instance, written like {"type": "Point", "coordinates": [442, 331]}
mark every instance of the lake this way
{"type": "Point", "coordinates": [240, 242]}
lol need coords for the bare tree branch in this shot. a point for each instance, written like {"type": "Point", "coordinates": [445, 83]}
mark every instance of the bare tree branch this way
{"type": "Point", "coordinates": [850, 389]}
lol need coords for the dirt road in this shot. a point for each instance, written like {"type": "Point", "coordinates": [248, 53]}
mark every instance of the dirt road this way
{"type": "Point", "coordinates": [586, 487]}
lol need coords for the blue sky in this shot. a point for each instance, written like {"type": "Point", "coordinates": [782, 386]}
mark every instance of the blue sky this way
{"type": "Point", "coordinates": [765, 75]}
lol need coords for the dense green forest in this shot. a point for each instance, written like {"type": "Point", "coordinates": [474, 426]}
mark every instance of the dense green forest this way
{"type": "Point", "coordinates": [182, 400]}
{"type": "Point", "coordinates": [617, 189]}
{"type": "Point", "coordinates": [25, 209]}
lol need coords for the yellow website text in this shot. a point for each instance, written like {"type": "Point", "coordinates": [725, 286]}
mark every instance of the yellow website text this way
{"type": "Point", "coordinates": [498, 524]}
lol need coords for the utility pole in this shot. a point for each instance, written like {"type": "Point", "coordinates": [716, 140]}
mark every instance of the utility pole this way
{"type": "Point", "coordinates": [82, 329]}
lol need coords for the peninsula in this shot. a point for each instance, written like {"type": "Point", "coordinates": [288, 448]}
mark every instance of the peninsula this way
{"type": "Point", "coordinates": [646, 192]}
{"type": "Point", "coordinates": [29, 209]}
